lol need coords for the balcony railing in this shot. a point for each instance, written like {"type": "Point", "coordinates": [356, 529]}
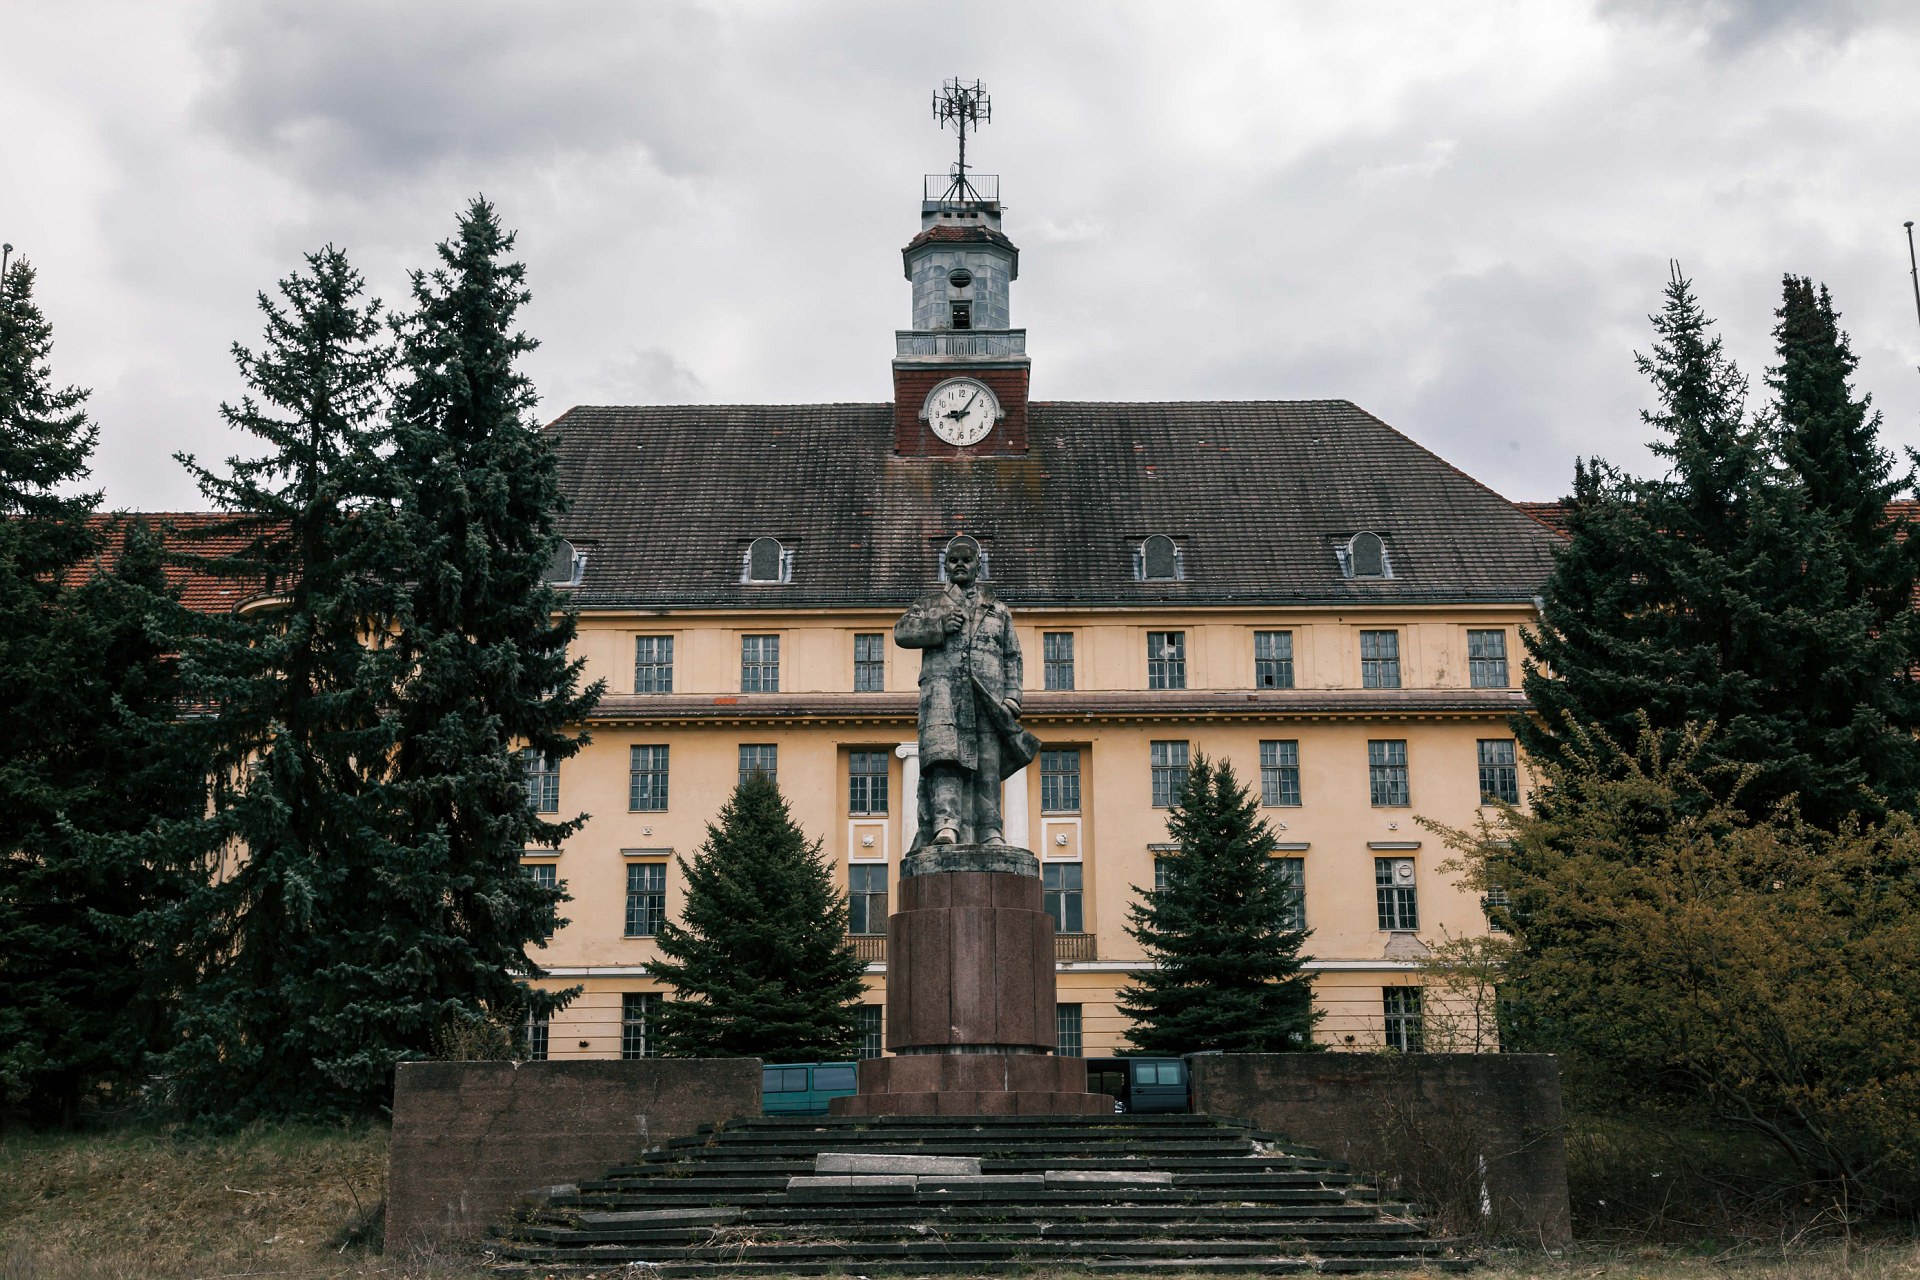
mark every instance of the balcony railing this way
{"type": "Point", "coordinates": [938, 188]}
{"type": "Point", "coordinates": [870, 947]}
{"type": "Point", "coordinates": [974, 343]}
{"type": "Point", "coordinates": [1068, 947]}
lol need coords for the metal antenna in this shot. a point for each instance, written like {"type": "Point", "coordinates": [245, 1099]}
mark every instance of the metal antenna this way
{"type": "Point", "coordinates": [1913, 269]}
{"type": "Point", "coordinates": [6, 252]}
{"type": "Point", "coordinates": [962, 105]}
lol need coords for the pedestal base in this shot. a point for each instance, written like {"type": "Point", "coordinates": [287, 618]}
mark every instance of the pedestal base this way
{"type": "Point", "coordinates": [973, 1084]}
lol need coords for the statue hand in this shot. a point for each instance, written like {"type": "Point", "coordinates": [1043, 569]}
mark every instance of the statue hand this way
{"type": "Point", "coordinates": [1012, 705]}
{"type": "Point", "coordinates": [953, 623]}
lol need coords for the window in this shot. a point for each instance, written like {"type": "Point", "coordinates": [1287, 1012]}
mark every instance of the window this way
{"type": "Point", "coordinates": [1497, 906]}
{"type": "Point", "coordinates": [1487, 659]}
{"type": "Point", "coordinates": [646, 779]}
{"type": "Point", "coordinates": [1387, 773]}
{"type": "Point", "coordinates": [544, 874]}
{"type": "Point", "coordinates": [1394, 894]}
{"type": "Point", "coordinates": [1058, 649]}
{"type": "Point", "coordinates": [1169, 761]}
{"type": "Point", "coordinates": [1380, 659]}
{"type": "Point", "coordinates": [759, 664]}
{"type": "Point", "coordinates": [963, 315]}
{"type": "Point", "coordinates": [535, 1037]}
{"type": "Point", "coordinates": [767, 561]}
{"type": "Point", "coordinates": [1291, 873]}
{"type": "Point", "coordinates": [1402, 1008]}
{"type": "Point", "coordinates": [869, 663]}
{"type": "Point", "coordinates": [1060, 891]}
{"type": "Point", "coordinates": [759, 757]}
{"type": "Point", "coordinates": [1280, 773]}
{"type": "Point", "coordinates": [867, 782]}
{"type": "Point", "coordinates": [867, 898]}
{"type": "Point", "coordinates": [646, 898]}
{"type": "Point", "coordinates": [1060, 780]}
{"type": "Point", "coordinates": [1273, 659]}
{"type": "Point", "coordinates": [1163, 869]}
{"type": "Point", "coordinates": [1366, 557]}
{"type": "Point", "coordinates": [1499, 772]}
{"type": "Point", "coordinates": [639, 1024]}
{"type": "Point", "coordinates": [1066, 1021]}
{"type": "Point", "coordinates": [1166, 659]}
{"type": "Point", "coordinates": [653, 664]}
{"type": "Point", "coordinates": [1158, 560]}
{"type": "Point", "coordinates": [872, 1041]}
{"type": "Point", "coordinates": [543, 780]}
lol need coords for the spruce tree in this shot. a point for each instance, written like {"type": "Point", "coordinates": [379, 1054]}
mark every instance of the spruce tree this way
{"type": "Point", "coordinates": [1226, 971]}
{"type": "Point", "coordinates": [760, 963]}
{"type": "Point", "coordinates": [482, 638]}
{"type": "Point", "coordinates": [1849, 637]}
{"type": "Point", "coordinates": [300, 681]}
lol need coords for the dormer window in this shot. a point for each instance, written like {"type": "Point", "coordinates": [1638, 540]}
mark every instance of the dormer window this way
{"type": "Point", "coordinates": [767, 561]}
{"type": "Point", "coordinates": [1364, 555]}
{"type": "Point", "coordinates": [567, 566]}
{"type": "Point", "coordinates": [1158, 559]}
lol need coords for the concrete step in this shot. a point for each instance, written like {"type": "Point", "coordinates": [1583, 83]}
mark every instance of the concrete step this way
{"type": "Point", "coordinates": [1078, 1252]}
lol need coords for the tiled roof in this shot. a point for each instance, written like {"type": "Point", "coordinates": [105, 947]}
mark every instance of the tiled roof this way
{"type": "Point", "coordinates": [1255, 493]}
{"type": "Point", "coordinates": [1551, 514]}
{"type": "Point", "coordinates": [947, 232]}
{"type": "Point", "coordinates": [181, 532]}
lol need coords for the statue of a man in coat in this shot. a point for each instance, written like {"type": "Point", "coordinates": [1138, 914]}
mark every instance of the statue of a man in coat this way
{"type": "Point", "coordinates": [970, 676]}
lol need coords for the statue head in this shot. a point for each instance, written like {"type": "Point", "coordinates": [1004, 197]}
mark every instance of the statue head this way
{"type": "Point", "coordinates": [963, 562]}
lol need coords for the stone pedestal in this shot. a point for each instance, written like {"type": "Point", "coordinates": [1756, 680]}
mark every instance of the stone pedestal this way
{"type": "Point", "coordinates": [970, 999]}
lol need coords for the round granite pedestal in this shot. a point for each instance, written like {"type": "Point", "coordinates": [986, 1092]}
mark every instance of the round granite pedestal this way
{"type": "Point", "coordinates": [970, 998]}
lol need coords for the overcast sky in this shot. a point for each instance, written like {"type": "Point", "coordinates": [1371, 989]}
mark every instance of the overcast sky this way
{"type": "Point", "coordinates": [1455, 215]}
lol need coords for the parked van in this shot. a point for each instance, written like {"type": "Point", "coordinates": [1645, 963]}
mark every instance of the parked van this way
{"type": "Point", "coordinates": [802, 1088]}
{"type": "Point", "coordinates": [1144, 1085]}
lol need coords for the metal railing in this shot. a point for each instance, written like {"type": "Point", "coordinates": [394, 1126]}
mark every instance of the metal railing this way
{"type": "Point", "coordinates": [1068, 947]}
{"type": "Point", "coordinates": [870, 947]}
{"type": "Point", "coordinates": [983, 188]}
{"type": "Point", "coordinates": [976, 343]}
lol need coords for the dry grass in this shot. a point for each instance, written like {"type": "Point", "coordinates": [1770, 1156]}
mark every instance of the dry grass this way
{"type": "Point", "coordinates": [290, 1202]}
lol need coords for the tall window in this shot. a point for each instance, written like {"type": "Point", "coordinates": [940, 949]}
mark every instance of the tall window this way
{"type": "Point", "coordinates": [647, 779]}
{"type": "Point", "coordinates": [646, 898]}
{"type": "Point", "coordinates": [759, 664]}
{"type": "Point", "coordinates": [639, 1024]}
{"type": "Point", "coordinates": [534, 1037]}
{"type": "Point", "coordinates": [1067, 1038]}
{"type": "Point", "coordinates": [653, 664]}
{"type": "Point", "coordinates": [1291, 874]}
{"type": "Point", "coordinates": [1499, 771]}
{"type": "Point", "coordinates": [1273, 659]}
{"type": "Point", "coordinates": [1380, 659]}
{"type": "Point", "coordinates": [1280, 772]}
{"type": "Point", "coordinates": [1058, 647]}
{"type": "Point", "coordinates": [1060, 890]}
{"type": "Point", "coordinates": [1487, 659]}
{"type": "Point", "coordinates": [1169, 761]}
{"type": "Point", "coordinates": [1403, 1024]}
{"type": "Point", "coordinates": [1157, 559]}
{"type": "Point", "coordinates": [872, 1040]}
{"type": "Point", "coordinates": [867, 782]}
{"type": "Point", "coordinates": [1163, 868]}
{"type": "Point", "coordinates": [544, 874]}
{"type": "Point", "coordinates": [760, 757]}
{"type": "Point", "coordinates": [1394, 893]}
{"type": "Point", "coordinates": [543, 780]}
{"type": "Point", "coordinates": [1387, 772]}
{"type": "Point", "coordinates": [867, 898]}
{"type": "Point", "coordinates": [869, 663]}
{"type": "Point", "coordinates": [1166, 659]}
{"type": "Point", "coordinates": [1060, 780]}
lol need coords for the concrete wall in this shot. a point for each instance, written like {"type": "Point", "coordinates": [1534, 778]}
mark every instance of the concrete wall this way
{"type": "Point", "coordinates": [1478, 1137]}
{"type": "Point", "coordinates": [473, 1139]}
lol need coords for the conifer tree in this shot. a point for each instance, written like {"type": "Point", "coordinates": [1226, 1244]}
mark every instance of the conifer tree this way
{"type": "Point", "coordinates": [760, 964]}
{"type": "Point", "coordinates": [482, 638]}
{"type": "Point", "coordinates": [1227, 969]}
{"type": "Point", "coordinates": [274, 1024]}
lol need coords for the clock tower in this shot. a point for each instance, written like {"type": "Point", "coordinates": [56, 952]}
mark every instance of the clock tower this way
{"type": "Point", "coordinates": [960, 373]}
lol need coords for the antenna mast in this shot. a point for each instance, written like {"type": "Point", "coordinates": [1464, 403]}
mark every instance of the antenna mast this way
{"type": "Point", "coordinates": [962, 105]}
{"type": "Point", "coordinates": [1913, 269]}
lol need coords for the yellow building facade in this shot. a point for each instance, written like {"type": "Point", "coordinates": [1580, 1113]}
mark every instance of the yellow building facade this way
{"type": "Point", "coordinates": [1291, 586]}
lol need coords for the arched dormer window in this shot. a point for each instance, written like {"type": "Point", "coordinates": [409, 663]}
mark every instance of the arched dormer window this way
{"type": "Point", "coordinates": [767, 561]}
{"type": "Point", "coordinates": [1158, 559]}
{"type": "Point", "coordinates": [1365, 556]}
{"type": "Point", "coordinates": [567, 565]}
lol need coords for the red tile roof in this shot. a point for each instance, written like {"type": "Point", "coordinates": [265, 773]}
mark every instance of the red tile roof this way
{"type": "Point", "coordinates": [192, 533]}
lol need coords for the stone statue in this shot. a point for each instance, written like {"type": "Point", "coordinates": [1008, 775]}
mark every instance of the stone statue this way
{"type": "Point", "coordinates": [970, 677]}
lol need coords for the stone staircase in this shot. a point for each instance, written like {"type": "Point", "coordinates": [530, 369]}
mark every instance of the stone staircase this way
{"type": "Point", "coordinates": [807, 1196]}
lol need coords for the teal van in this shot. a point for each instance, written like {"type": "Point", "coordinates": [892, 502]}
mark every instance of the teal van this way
{"type": "Point", "coordinates": [1144, 1085]}
{"type": "Point", "coordinates": [802, 1088]}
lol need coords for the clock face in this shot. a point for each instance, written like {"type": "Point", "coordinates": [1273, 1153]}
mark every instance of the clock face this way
{"type": "Point", "coordinates": [962, 410]}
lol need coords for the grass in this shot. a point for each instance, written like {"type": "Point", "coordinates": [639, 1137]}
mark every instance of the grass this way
{"type": "Point", "coordinates": [301, 1202]}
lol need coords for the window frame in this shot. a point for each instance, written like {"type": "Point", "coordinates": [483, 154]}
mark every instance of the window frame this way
{"type": "Point", "coordinates": [1279, 664]}
{"type": "Point", "coordinates": [1065, 902]}
{"type": "Point", "coordinates": [873, 1032]}
{"type": "Point", "coordinates": [1069, 1030]}
{"type": "Point", "coordinates": [1482, 672]}
{"type": "Point", "coordinates": [1403, 1019]}
{"type": "Point", "coordinates": [754, 671]}
{"type": "Point", "coordinates": [658, 771]}
{"type": "Point", "coordinates": [868, 790]}
{"type": "Point", "coordinates": [860, 879]}
{"type": "Point", "coordinates": [1058, 667]}
{"type": "Point", "coordinates": [1054, 781]}
{"type": "Point", "coordinates": [1504, 774]}
{"type": "Point", "coordinates": [658, 669]}
{"type": "Point", "coordinates": [1291, 869]}
{"type": "Point", "coordinates": [541, 776]}
{"type": "Point", "coordinates": [1389, 775]}
{"type": "Point", "coordinates": [645, 1042]}
{"type": "Point", "coordinates": [1396, 905]}
{"type": "Point", "coordinates": [1280, 773]}
{"type": "Point", "coordinates": [1379, 670]}
{"type": "Point", "coordinates": [1169, 775]}
{"type": "Point", "coordinates": [646, 899]}
{"type": "Point", "coordinates": [769, 766]}
{"type": "Point", "coordinates": [870, 671]}
{"type": "Point", "coordinates": [1170, 671]}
